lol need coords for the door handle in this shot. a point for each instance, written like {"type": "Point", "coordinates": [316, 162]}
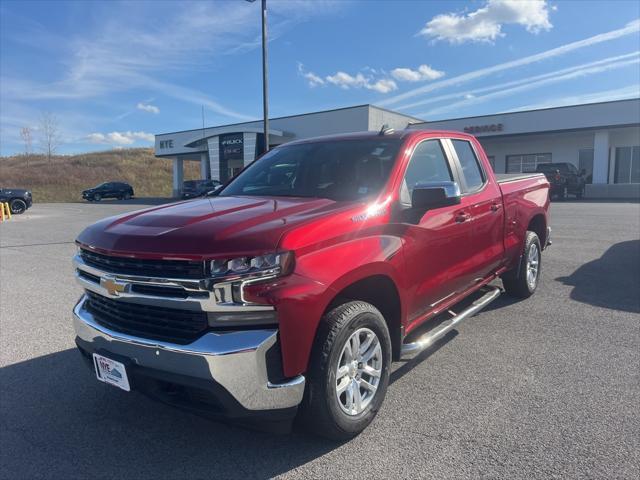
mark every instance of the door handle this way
{"type": "Point", "coordinates": [462, 217]}
{"type": "Point", "coordinates": [495, 207]}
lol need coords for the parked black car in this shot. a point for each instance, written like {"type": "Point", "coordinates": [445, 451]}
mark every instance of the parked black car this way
{"type": "Point", "coordinates": [197, 188]}
{"type": "Point", "coordinates": [565, 179]}
{"type": "Point", "coordinates": [119, 190]}
{"type": "Point", "coordinates": [17, 198]}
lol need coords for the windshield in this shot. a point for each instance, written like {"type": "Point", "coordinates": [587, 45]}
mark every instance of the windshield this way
{"type": "Point", "coordinates": [336, 169]}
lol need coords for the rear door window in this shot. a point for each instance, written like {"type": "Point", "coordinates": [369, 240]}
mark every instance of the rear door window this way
{"type": "Point", "coordinates": [473, 174]}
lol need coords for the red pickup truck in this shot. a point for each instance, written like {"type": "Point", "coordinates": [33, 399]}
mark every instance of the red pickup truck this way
{"type": "Point", "coordinates": [290, 291]}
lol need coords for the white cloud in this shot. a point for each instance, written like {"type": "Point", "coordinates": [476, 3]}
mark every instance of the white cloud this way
{"type": "Point", "coordinates": [384, 85]}
{"type": "Point", "coordinates": [359, 80]}
{"type": "Point", "coordinates": [346, 81]}
{"type": "Point", "coordinates": [148, 108]}
{"type": "Point", "coordinates": [530, 85]}
{"type": "Point", "coordinates": [424, 72]}
{"type": "Point", "coordinates": [485, 24]}
{"type": "Point", "coordinates": [469, 94]}
{"type": "Point", "coordinates": [632, 28]}
{"type": "Point", "coordinates": [628, 92]}
{"type": "Point", "coordinates": [120, 138]}
{"type": "Point", "coordinates": [313, 80]}
{"type": "Point", "coordinates": [144, 46]}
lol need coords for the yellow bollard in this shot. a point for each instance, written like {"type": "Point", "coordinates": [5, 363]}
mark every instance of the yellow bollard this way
{"type": "Point", "coordinates": [8, 210]}
{"type": "Point", "coordinates": [2, 212]}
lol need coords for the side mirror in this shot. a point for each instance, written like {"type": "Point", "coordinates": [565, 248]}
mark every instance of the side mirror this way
{"type": "Point", "coordinates": [428, 196]}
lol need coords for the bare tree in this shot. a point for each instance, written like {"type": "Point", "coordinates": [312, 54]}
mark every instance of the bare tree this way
{"type": "Point", "coordinates": [27, 138]}
{"type": "Point", "coordinates": [50, 134]}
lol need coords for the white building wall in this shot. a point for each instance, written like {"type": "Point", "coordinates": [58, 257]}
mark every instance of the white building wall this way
{"type": "Point", "coordinates": [563, 147]}
{"type": "Point", "coordinates": [594, 115]}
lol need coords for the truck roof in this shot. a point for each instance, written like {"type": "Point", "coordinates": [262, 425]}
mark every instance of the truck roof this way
{"type": "Point", "coordinates": [397, 134]}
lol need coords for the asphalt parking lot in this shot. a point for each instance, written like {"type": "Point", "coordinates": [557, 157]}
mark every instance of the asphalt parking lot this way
{"type": "Point", "coordinates": [548, 387]}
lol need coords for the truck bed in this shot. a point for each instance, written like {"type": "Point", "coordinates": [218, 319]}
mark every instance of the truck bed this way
{"type": "Point", "coordinates": [512, 177]}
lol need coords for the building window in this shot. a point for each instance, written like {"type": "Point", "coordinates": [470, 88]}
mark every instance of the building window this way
{"type": "Point", "coordinates": [492, 162]}
{"type": "Point", "coordinates": [627, 165]}
{"type": "Point", "coordinates": [585, 163]}
{"type": "Point", "coordinates": [526, 163]}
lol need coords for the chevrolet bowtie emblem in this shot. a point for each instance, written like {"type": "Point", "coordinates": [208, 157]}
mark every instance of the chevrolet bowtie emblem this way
{"type": "Point", "coordinates": [112, 286]}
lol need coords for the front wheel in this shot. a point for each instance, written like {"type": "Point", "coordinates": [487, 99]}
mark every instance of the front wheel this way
{"type": "Point", "coordinates": [97, 197]}
{"type": "Point", "coordinates": [349, 371]}
{"type": "Point", "coordinates": [17, 206]}
{"type": "Point", "coordinates": [523, 282]}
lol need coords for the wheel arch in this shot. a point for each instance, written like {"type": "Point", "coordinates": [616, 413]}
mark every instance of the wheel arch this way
{"type": "Point", "coordinates": [380, 291]}
{"type": "Point", "coordinates": [538, 224]}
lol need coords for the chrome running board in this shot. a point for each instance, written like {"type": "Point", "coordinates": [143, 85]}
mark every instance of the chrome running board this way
{"type": "Point", "coordinates": [429, 338]}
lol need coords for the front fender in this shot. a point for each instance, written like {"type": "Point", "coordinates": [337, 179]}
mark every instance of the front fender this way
{"type": "Point", "coordinates": [302, 297]}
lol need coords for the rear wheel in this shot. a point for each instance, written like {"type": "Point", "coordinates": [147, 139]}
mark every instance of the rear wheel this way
{"type": "Point", "coordinates": [17, 206]}
{"type": "Point", "coordinates": [349, 371]}
{"type": "Point", "coordinates": [523, 282]}
{"type": "Point", "coordinates": [127, 196]}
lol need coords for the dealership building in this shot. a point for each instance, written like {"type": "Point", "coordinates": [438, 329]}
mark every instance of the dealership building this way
{"type": "Point", "coordinates": [603, 139]}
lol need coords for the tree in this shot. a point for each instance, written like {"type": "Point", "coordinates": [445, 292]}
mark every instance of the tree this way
{"type": "Point", "coordinates": [27, 138]}
{"type": "Point", "coordinates": [50, 134]}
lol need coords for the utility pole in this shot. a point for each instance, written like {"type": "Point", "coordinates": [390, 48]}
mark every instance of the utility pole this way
{"type": "Point", "coordinates": [265, 77]}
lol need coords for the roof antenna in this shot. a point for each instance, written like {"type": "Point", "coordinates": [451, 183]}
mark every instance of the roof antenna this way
{"type": "Point", "coordinates": [385, 130]}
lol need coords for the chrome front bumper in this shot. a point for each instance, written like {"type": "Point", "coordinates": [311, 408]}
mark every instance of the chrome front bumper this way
{"type": "Point", "coordinates": [236, 360]}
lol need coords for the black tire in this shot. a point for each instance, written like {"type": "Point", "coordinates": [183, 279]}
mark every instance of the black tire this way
{"type": "Point", "coordinates": [17, 206]}
{"type": "Point", "coordinates": [97, 197]}
{"type": "Point", "coordinates": [126, 196]}
{"type": "Point", "coordinates": [516, 282]}
{"type": "Point", "coordinates": [320, 411]}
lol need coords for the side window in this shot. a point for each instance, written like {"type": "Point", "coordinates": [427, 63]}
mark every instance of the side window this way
{"type": "Point", "coordinates": [428, 164]}
{"type": "Point", "coordinates": [469, 163]}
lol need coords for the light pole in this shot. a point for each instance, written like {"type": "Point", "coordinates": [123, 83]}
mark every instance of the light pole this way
{"type": "Point", "coordinates": [265, 75]}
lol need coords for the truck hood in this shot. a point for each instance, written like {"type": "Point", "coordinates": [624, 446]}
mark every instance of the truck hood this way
{"type": "Point", "coordinates": [205, 228]}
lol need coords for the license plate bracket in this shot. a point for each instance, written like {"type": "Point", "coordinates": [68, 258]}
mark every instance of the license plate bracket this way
{"type": "Point", "coordinates": [111, 372]}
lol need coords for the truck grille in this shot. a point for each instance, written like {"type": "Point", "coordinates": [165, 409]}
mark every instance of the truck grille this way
{"type": "Point", "coordinates": [146, 268]}
{"type": "Point", "coordinates": [165, 324]}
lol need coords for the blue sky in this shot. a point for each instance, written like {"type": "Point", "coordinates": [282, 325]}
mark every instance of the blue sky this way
{"type": "Point", "coordinates": [115, 73]}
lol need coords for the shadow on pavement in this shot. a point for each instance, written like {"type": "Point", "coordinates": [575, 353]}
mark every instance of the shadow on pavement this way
{"type": "Point", "coordinates": [408, 365]}
{"type": "Point", "coordinates": [57, 421]}
{"type": "Point", "coordinates": [612, 281]}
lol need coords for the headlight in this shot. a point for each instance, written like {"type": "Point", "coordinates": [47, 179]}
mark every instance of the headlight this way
{"type": "Point", "coordinates": [270, 263]}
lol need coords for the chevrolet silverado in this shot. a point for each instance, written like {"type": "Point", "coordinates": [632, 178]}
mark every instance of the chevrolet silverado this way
{"type": "Point", "coordinates": [289, 292]}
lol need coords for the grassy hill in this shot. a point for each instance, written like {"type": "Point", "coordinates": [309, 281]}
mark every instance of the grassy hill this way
{"type": "Point", "coordinates": [64, 178]}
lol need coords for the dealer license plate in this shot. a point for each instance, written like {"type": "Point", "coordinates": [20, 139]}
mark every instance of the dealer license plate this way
{"type": "Point", "coordinates": [111, 372]}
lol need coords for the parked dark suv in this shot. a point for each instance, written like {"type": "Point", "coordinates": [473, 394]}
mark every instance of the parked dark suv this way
{"type": "Point", "coordinates": [18, 199]}
{"type": "Point", "coordinates": [119, 190]}
{"type": "Point", "coordinates": [197, 188]}
{"type": "Point", "coordinates": [565, 179]}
